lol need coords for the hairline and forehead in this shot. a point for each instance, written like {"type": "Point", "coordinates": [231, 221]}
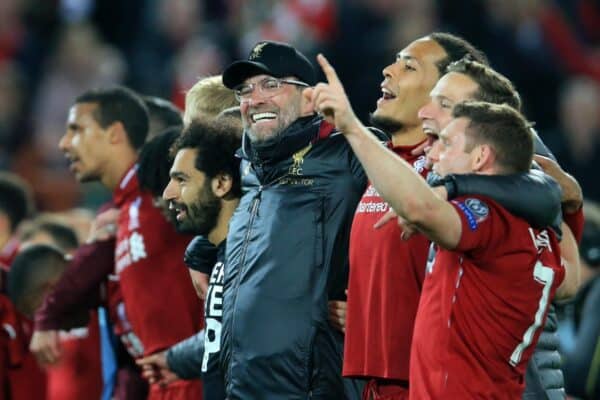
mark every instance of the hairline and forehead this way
{"type": "Point", "coordinates": [421, 50]}
{"type": "Point", "coordinates": [79, 111]}
{"type": "Point", "coordinates": [467, 80]}
{"type": "Point", "coordinates": [190, 154]}
{"type": "Point", "coordinates": [443, 135]}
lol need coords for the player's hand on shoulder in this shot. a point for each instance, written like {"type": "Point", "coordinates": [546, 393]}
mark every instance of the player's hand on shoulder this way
{"type": "Point", "coordinates": [104, 226]}
{"type": "Point", "coordinates": [572, 195]}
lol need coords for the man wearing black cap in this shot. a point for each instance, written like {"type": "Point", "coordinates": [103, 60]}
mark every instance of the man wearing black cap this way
{"type": "Point", "coordinates": [287, 247]}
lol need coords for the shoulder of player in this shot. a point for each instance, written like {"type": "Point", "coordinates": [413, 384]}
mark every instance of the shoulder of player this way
{"type": "Point", "coordinates": [483, 208]}
{"type": "Point", "coordinates": [328, 131]}
{"type": "Point", "coordinates": [478, 207]}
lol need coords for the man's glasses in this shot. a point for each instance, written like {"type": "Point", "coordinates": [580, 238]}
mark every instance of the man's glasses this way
{"type": "Point", "coordinates": [268, 87]}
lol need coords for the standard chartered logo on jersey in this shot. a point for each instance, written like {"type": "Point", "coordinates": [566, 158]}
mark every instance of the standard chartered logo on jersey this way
{"type": "Point", "coordinates": [130, 250]}
{"type": "Point", "coordinates": [213, 311]}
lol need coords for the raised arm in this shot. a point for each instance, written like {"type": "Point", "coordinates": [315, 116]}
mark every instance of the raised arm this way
{"type": "Point", "coordinates": [395, 180]}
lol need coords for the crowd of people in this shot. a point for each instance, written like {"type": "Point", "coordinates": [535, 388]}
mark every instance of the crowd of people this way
{"type": "Point", "coordinates": [421, 257]}
{"type": "Point", "coordinates": [51, 53]}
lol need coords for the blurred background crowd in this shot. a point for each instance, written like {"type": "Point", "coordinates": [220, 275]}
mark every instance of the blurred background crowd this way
{"type": "Point", "coordinates": [52, 50]}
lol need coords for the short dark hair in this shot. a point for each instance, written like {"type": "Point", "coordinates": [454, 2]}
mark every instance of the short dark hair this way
{"type": "Point", "coordinates": [31, 268]}
{"type": "Point", "coordinates": [16, 198]}
{"type": "Point", "coordinates": [456, 48]}
{"type": "Point", "coordinates": [503, 128]}
{"type": "Point", "coordinates": [216, 142]}
{"type": "Point", "coordinates": [162, 113]}
{"type": "Point", "coordinates": [63, 235]}
{"type": "Point", "coordinates": [155, 161]}
{"type": "Point", "coordinates": [119, 104]}
{"type": "Point", "coordinates": [493, 87]}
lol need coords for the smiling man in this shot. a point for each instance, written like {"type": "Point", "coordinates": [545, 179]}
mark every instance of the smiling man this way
{"type": "Point", "coordinates": [524, 194]}
{"type": "Point", "coordinates": [487, 293]}
{"type": "Point", "coordinates": [387, 274]}
{"type": "Point", "coordinates": [287, 247]}
{"type": "Point", "coordinates": [204, 189]}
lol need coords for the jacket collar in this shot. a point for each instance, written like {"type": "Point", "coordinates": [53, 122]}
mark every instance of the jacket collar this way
{"type": "Point", "coordinates": [296, 136]}
{"type": "Point", "coordinates": [127, 186]}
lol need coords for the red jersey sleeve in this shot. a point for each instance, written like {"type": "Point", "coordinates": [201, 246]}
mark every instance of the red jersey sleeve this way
{"type": "Point", "coordinates": [482, 225]}
{"type": "Point", "coordinates": [78, 288]}
{"type": "Point", "coordinates": [575, 221]}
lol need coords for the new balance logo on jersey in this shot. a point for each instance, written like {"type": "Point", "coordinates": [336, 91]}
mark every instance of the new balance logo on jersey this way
{"type": "Point", "coordinates": [371, 192]}
{"type": "Point", "coordinates": [419, 164]}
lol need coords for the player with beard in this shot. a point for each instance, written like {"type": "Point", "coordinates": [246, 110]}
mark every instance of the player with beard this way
{"type": "Point", "coordinates": [287, 246]}
{"type": "Point", "coordinates": [471, 293]}
{"type": "Point", "coordinates": [204, 190]}
{"type": "Point", "coordinates": [386, 275]}
{"type": "Point", "coordinates": [207, 99]}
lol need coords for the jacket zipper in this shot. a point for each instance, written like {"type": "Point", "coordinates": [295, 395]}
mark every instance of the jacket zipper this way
{"type": "Point", "coordinates": [253, 209]}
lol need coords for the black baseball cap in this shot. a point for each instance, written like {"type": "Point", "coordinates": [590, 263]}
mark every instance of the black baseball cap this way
{"type": "Point", "coordinates": [271, 58]}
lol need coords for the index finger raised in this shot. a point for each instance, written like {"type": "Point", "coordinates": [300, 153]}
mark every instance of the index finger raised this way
{"type": "Point", "coordinates": [328, 70]}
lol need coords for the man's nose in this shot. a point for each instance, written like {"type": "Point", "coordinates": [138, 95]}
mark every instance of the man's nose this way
{"type": "Point", "coordinates": [169, 192]}
{"type": "Point", "coordinates": [425, 112]}
{"type": "Point", "coordinates": [64, 142]}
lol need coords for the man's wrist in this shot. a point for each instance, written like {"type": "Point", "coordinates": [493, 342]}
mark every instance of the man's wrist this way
{"type": "Point", "coordinates": [448, 182]}
{"type": "Point", "coordinates": [571, 206]}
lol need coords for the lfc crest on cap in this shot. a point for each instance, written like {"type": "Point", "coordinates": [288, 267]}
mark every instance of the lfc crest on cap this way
{"type": "Point", "coordinates": [257, 50]}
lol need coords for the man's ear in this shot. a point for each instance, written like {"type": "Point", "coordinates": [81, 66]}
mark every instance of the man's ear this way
{"type": "Point", "coordinates": [5, 225]}
{"type": "Point", "coordinates": [483, 157]}
{"type": "Point", "coordinates": [221, 184]}
{"type": "Point", "coordinates": [307, 106]}
{"type": "Point", "coordinates": [116, 132]}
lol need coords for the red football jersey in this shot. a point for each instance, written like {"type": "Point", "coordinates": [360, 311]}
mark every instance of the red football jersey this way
{"type": "Point", "coordinates": [26, 379]}
{"type": "Point", "coordinates": [159, 301]}
{"type": "Point", "coordinates": [23, 379]}
{"type": "Point", "coordinates": [482, 306]}
{"type": "Point", "coordinates": [78, 374]}
{"type": "Point", "coordinates": [386, 274]}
